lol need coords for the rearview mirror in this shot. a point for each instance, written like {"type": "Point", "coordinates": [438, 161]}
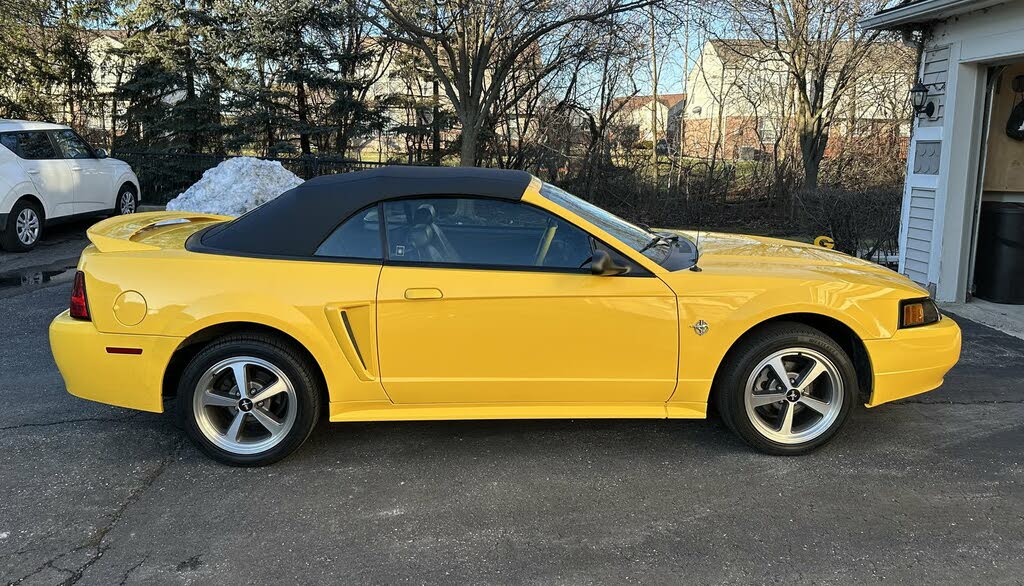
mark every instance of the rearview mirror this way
{"type": "Point", "coordinates": [603, 265]}
{"type": "Point", "coordinates": [101, 154]}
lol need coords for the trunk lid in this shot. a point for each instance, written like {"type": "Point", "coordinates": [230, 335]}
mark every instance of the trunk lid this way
{"type": "Point", "coordinates": [149, 230]}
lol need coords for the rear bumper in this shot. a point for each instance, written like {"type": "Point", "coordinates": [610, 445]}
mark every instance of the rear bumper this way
{"type": "Point", "coordinates": [913, 361]}
{"type": "Point", "coordinates": [92, 372]}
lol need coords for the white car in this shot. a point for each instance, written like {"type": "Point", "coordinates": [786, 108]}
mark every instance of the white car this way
{"type": "Point", "coordinates": [50, 174]}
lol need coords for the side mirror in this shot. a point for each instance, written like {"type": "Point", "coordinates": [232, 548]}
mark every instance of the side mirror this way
{"type": "Point", "coordinates": [603, 265]}
{"type": "Point", "coordinates": [101, 154]}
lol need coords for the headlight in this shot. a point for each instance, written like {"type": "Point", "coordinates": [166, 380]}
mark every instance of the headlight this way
{"type": "Point", "coordinates": [918, 312]}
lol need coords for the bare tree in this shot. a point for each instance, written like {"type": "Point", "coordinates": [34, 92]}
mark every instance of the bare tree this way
{"type": "Point", "coordinates": [475, 46]}
{"type": "Point", "coordinates": [822, 49]}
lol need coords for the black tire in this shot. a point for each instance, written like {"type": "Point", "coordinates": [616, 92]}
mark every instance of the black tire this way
{"type": "Point", "coordinates": [126, 191]}
{"type": "Point", "coordinates": [737, 371]}
{"type": "Point", "coordinates": [10, 240]}
{"type": "Point", "coordinates": [308, 393]}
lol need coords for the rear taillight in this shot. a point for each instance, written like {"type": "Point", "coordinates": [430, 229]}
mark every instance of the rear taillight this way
{"type": "Point", "coordinates": [79, 302]}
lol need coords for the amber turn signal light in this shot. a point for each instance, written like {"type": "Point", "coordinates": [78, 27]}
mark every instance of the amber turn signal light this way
{"type": "Point", "coordinates": [918, 312]}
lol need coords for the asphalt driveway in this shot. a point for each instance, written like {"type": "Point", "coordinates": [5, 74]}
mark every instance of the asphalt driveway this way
{"type": "Point", "coordinates": [925, 491]}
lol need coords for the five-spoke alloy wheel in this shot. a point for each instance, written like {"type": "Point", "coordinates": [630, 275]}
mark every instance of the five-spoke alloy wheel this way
{"type": "Point", "coordinates": [793, 395]}
{"type": "Point", "coordinates": [246, 421]}
{"type": "Point", "coordinates": [248, 399]}
{"type": "Point", "coordinates": [787, 389]}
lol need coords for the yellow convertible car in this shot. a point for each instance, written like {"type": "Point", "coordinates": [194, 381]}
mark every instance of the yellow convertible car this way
{"type": "Point", "coordinates": [427, 293]}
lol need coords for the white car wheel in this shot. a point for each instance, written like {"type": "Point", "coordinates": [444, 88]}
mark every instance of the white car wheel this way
{"type": "Point", "coordinates": [27, 227]}
{"type": "Point", "coordinates": [126, 202]}
{"type": "Point", "coordinates": [24, 227]}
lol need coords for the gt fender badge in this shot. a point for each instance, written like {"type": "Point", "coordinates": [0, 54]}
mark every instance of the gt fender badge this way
{"type": "Point", "coordinates": [701, 327]}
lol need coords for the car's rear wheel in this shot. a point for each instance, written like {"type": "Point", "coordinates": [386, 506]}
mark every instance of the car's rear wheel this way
{"type": "Point", "coordinates": [248, 400]}
{"type": "Point", "coordinates": [787, 389]}
{"type": "Point", "coordinates": [24, 227]}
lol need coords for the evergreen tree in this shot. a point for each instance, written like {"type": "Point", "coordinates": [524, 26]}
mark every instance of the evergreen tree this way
{"type": "Point", "coordinates": [45, 72]}
{"type": "Point", "coordinates": [174, 93]}
{"type": "Point", "coordinates": [301, 70]}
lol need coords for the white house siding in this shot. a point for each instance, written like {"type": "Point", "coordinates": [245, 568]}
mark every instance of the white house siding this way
{"type": "Point", "coordinates": [918, 225]}
{"type": "Point", "coordinates": [941, 198]}
{"type": "Point", "coordinates": [919, 239]}
{"type": "Point", "coordinates": [934, 72]}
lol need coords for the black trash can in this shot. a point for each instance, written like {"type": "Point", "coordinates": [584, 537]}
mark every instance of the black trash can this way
{"type": "Point", "coordinates": [999, 263]}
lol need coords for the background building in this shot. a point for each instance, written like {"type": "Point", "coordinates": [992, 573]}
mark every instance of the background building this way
{"type": "Point", "coordinates": [740, 103]}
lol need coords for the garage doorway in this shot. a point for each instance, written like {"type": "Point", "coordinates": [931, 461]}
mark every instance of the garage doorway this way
{"type": "Point", "coordinates": [1000, 185]}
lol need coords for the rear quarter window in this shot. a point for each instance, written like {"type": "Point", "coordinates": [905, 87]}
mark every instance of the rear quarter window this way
{"type": "Point", "coordinates": [10, 142]}
{"type": "Point", "coordinates": [358, 238]}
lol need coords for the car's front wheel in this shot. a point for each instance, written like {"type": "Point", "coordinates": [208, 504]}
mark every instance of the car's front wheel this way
{"type": "Point", "coordinates": [787, 389]}
{"type": "Point", "coordinates": [248, 400]}
{"type": "Point", "coordinates": [127, 201]}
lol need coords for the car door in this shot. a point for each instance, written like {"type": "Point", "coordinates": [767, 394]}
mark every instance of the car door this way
{"type": "Point", "coordinates": [49, 172]}
{"type": "Point", "coordinates": [93, 177]}
{"type": "Point", "coordinates": [491, 301]}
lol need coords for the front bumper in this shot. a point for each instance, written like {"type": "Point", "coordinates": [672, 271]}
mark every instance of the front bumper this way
{"type": "Point", "coordinates": [913, 361]}
{"type": "Point", "coordinates": [92, 372]}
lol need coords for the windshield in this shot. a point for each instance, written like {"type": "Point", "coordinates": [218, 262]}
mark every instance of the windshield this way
{"type": "Point", "coordinates": [633, 236]}
{"type": "Point", "coordinates": [672, 250]}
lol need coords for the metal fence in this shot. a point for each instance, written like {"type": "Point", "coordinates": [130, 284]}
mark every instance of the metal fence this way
{"type": "Point", "coordinates": [162, 176]}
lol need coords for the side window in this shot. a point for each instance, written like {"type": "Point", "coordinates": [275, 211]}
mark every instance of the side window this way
{"type": "Point", "coordinates": [71, 145]}
{"type": "Point", "coordinates": [357, 237]}
{"type": "Point", "coordinates": [35, 145]}
{"type": "Point", "coordinates": [10, 140]}
{"type": "Point", "coordinates": [487, 232]}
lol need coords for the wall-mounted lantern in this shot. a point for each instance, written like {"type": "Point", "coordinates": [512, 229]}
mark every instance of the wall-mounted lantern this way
{"type": "Point", "coordinates": [919, 98]}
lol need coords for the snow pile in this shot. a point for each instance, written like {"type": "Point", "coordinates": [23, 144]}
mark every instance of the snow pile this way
{"type": "Point", "coordinates": [236, 186]}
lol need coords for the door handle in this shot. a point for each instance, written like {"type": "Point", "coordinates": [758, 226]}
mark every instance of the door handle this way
{"type": "Point", "coordinates": [424, 293]}
{"type": "Point", "coordinates": [76, 168]}
{"type": "Point", "coordinates": [33, 171]}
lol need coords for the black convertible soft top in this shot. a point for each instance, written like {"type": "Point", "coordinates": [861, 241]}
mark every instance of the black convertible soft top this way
{"type": "Point", "coordinates": [297, 221]}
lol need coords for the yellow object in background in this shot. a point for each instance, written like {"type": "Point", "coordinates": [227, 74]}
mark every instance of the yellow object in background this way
{"type": "Point", "coordinates": [825, 242]}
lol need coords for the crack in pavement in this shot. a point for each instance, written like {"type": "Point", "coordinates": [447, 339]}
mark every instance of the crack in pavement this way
{"type": "Point", "coordinates": [95, 541]}
{"type": "Point", "coordinates": [124, 577]}
{"type": "Point", "coordinates": [68, 421]}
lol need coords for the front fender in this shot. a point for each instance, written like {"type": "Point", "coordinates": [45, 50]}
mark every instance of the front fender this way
{"type": "Point", "coordinates": [128, 176]}
{"type": "Point", "coordinates": [731, 314]}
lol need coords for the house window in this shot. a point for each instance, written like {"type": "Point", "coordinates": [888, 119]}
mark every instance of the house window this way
{"type": "Point", "coordinates": [768, 129]}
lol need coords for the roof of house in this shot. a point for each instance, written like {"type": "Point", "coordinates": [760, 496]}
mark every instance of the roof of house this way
{"type": "Point", "coordinates": [14, 125]}
{"type": "Point", "coordinates": [912, 12]}
{"type": "Point", "coordinates": [296, 222]}
{"type": "Point", "coordinates": [636, 102]}
{"type": "Point", "coordinates": [736, 52]}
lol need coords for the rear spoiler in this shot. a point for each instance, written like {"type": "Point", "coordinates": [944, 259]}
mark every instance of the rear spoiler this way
{"type": "Point", "coordinates": [117, 234]}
